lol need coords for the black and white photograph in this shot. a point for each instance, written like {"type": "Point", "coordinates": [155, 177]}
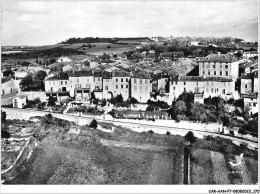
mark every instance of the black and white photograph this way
{"type": "Point", "coordinates": [129, 93]}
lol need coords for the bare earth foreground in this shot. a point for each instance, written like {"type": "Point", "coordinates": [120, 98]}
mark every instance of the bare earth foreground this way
{"type": "Point", "coordinates": [61, 152]}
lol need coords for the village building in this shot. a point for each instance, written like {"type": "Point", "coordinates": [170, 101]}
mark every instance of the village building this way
{"type": "Point", "coordinates": [9, 85]}
{"type": "Point", "coordinates": [208, 86]}
{"type": "Point", "coordinates": [219, 65]}
{"type": "Point", "coordinates": [98, 85]}
{"type": "Point", "coordinates": [141, 87]}
{"type": "Point", "coordinates": [19, 101]}
{"type": "Point", "coordinates": [58, 86]}
{"type": "Point", "coordinates": [251, 102]}
{"type": "Point", "coordinates": [82, 84]}
{"type": "Point", "coordinates": [63, 59]}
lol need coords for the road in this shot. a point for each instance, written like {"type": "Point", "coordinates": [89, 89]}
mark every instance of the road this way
{"type": "Point", "coordinates": [150, 126]}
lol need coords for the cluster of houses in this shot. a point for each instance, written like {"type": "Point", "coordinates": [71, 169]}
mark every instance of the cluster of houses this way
{"type": "Point", "coordinates": [218, 75]}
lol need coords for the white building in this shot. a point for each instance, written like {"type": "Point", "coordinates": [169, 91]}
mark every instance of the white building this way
{"type": "Point", "coordinates": [116, 83]}
{"type": "Point", "coordinates": [251, 101]}
{"type": "Point", "coordinates": [141, 87]}
{"type": "Point", "coordinates": [58, 85]}
{"type": "Point", "coordinates": [208, 86]}
{"type": "Point", "coordinates": [219, 65]}
{"type": "Point", "coordinates": [9, 86]}
{"type": "Point", "coordinates": [63, 59]}
{"type": "Point", "coordinates": [82, 84]}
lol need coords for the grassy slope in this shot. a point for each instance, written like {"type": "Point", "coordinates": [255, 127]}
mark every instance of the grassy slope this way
{"type": "Point", "coordinates": [252, 166]}
{"type": "Point", "coordinates": [201, 167]}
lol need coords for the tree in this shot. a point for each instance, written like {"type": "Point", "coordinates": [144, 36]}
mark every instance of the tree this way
{"type": "Point", "coordinates": [93, 124]}
{"type": "Point", "coordinates": [137, 56]}
{"type": "Point", "coordinates": [27, 83]}
{"type": "Point", "coordinates": [87, 63]}
{"type": "Point", "coordinates": [190, 137]}
{"type": "Point", "coordinates": [180, 107]}
{"type": "Point", "coordinates": [52, 101]}
{"type": "Point", "coordinates": [47, 119]}
{"type": "Point", "coordinates": [39, 77]}
{"type": "Point", "coordinates": [8, 73]}
{"type": "Point", "coordinates": [133, 100]}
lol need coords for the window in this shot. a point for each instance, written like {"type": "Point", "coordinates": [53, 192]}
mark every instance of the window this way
{"type": "Point", "coordinates": [226, 73]}
{"type": "Point", "coordinates": [245, 85]}
{"type": "Point", "coordinates": [184, 83]}
{"type": "Point", "coordinates": [254, 104]}
{"type": "Point", "coordinates": [126, 79]}
{"type": "Point", "coordinates": [77, 80]}
{"type": "Point", "coordinates": [87, 80]}
{"type": "Point", "coordinates": [220, 73]}
{"type": "Point", "coordinates": [98, 79]}
{"type": "Point", "coordinates": [212, 89]}
{"type": "Point", "coordinates": [140, 81]}
{"type": "Point", "coordinates": [61, 82]}
{"type": "Point", "coordinates": [126, 86]}
{"type": "Point", "coordinates": [197, 83]}
{"type": "Point", "coordinates": [135, 87]}
{"type": "Point", "coordinates": [65, 82]}
{"type": "Point", "coordinates": [220, 66]}
{"type": "Point", "coordinates": [49, 83]}
{"type": "Point", "coordinates": [212, 83]}
{"type": "Point", "coordinates": [184, 89]}
{"type": "Point", "coordinates": [122, 80]}
{"type": "Point", "coordinates": [135, 81]}
{"type": "Point", "coordinates": [173, 88]}
{"type": "Point", "coordinates": [116, 86]}
{"type": "Point", "coordinates": [203, 65]}
{"type": "Point", "coordinates": [207, 90]}
{"type": "Point", "coordinates": [224, 83]}
{"type": "Point", "coordinates": [208, 72]}
{"type": "Point", "coordinates": [226, 66]}
{"type": "Point", "coordinates": [106, 87]}
{"type": "Point", "coordinates": [214, 72]}
{"type": "Point", "coordinates": [116, 80]}
{"type": "Point", "coordinates": [140, 87]}
{"type": "Point", "coordinates": [203, 72]}
{"type": "Point", "coordinates": [214, 66]}
{"type": "Point", "coordinates": [78, 86]}
{"type": "Point", "coordinates": [146, 81]}
{"type": "Point", "coordinates": [11, 89]}
{"type": "Point", "coordinates": [51, 89]}
{"type": "Point", "coordinates": [122, 86]}
{"type": "Point", "coordinates": [223, 91]}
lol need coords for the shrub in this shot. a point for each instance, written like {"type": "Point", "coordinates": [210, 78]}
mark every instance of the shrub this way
{"type": "Point", "coordinates": [168, 133]}
{"type": "Point", "coordinates": [190, 137]}
{"type": "Point", "coordinates": [5, 134]}
{"type": "Point", "coordinates": [151, 132]}
{"type": "Point", "coordinates": [178, 118]}
{"type": "Point", "coordinates": [93, 124]}
{"type": "Point", "coordinates": [48, 119]}
{"type": "Point", "coordinates": [150, 108]}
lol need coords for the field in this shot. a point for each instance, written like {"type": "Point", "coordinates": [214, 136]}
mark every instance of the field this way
{"type": "Point", "coordinates": [208, 167]}
{"type": "Point", "coordinates": [72, 154]}
{"type": "Point", "coordinates": [96, 157]}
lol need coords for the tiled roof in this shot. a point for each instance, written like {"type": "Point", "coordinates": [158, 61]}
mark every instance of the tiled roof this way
{"type": "Point", "coordinates": [98, 73]}
{"type": "Point", "coordinates": [199, 78]}
{"type": "Point", "coordinates": [80, 73]}
{"type": "Point", "coordinates": [223, 58]}
{"type": "Point", "coordinates": [59, 76]}
{"type": "Point", "coordinates": [106, 75]}
{"type": "Point", "coordinates": [141, 75]}
{"type": "Point", "coordinates": [120, 74]}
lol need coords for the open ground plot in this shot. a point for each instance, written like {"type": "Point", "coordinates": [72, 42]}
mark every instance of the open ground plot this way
{"type": "Point", "coordinates": [208, 167]}
{"type": "Point", "coordinates": [55, 164]}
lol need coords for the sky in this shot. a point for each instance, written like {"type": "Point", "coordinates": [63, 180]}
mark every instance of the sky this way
{"type": "Point", "coordinates": [49, 22]}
